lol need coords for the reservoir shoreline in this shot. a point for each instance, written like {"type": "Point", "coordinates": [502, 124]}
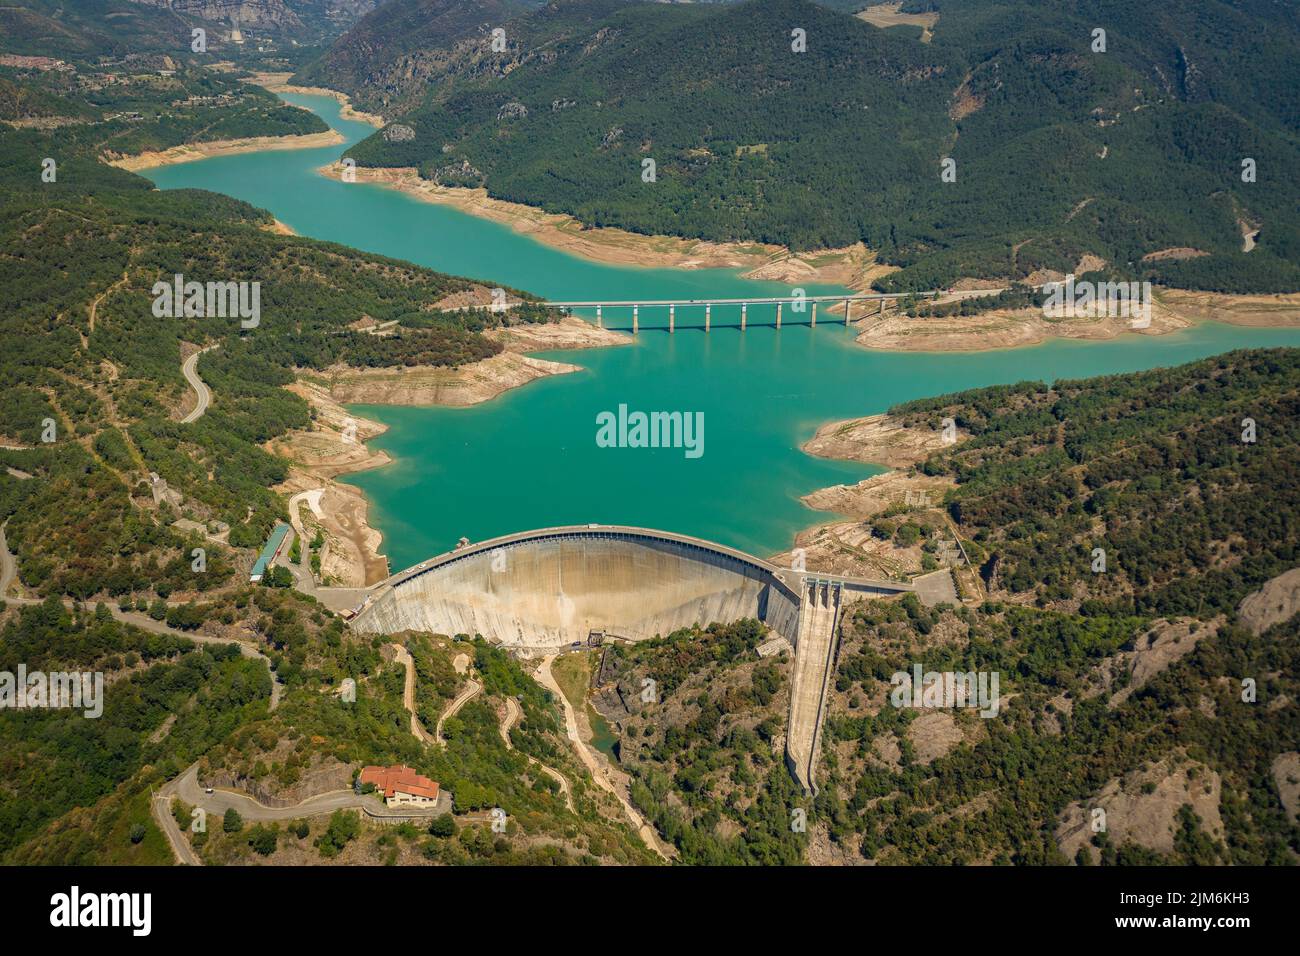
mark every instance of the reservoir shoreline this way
{"type": "Point", "coordinates": [279, 83]}
{"type": "Point", "coordinates": [853, 267]}
{"type": "Point", "coordinates": [190, 152]}
{"type": "Point", "coordinates": [327, 451]}
{"type": "Point", "coordinates": [526, 458]}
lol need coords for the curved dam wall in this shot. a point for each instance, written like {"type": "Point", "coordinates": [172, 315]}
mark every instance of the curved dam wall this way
{"type": "Point", "coordinates": [551, 588]}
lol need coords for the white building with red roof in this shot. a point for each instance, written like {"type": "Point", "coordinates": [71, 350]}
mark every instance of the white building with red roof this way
{"type": "Point", "coordinates": [401, 786]}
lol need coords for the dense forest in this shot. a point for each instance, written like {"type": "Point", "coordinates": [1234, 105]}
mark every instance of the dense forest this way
{"type": "Point", "coordinates": [1060, 151]}
{"type": "Point", "coordinates": [125, 28]}
{"type": "Point", "coordinates": [166, 701]}
{"type": "Point", "coordinates": [1192, 511]}
{"type": "Point", "coordinates": [96, 240]}
{"type": "Point", "coordinates": [1184, 476]}
{"type": "Point", "coordinates": [704, 754]}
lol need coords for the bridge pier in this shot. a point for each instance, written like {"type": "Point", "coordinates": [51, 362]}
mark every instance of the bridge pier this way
{"type": "Point", "coordinates": [743, 307]}
{"type": "Point", "coordinates": [814, 315]}
{"type": "Point", "coordinates": [778, 315]}
{"type": "Point", "coordinates": [672, 318]}
{"type": "Point", "coordinates": [847, 306]}
{"type": "Point", "coordinates": [599, 324]}
{"type": "Point", "coordinates": [708, 313]}
{"type": "Point", "coordinates": [635, 310]}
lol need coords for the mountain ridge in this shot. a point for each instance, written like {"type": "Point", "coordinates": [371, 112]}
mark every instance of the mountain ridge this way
{"type": "Point", "coordinates": [846, 142]}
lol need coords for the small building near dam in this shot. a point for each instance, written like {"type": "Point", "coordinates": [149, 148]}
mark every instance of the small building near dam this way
{"type": "Point", "coordinates": [401, 786]}
{"type": "Point", "coordinates": [269, 551]}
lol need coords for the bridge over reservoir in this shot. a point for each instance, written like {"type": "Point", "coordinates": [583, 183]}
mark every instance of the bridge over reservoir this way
{"type": "Point", "coordinates": [546, 589]}
{"type": "Point", "coordinates": [800, 305]}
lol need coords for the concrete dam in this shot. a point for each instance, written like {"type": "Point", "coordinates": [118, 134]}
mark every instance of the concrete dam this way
{"type": "Point", "coordinates": [547, 589]}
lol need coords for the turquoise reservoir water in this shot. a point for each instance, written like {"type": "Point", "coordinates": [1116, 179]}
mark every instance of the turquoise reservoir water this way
{"type": "Point", "coordinates": [529, 458]}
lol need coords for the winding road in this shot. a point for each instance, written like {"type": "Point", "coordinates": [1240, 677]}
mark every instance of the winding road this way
{"type": "Point", "coordinates": [408, 694]}
{"type": "Point", "coordinates": [160, 805]}
{"type": "Point", "coordinates": [598, 772]}
{"type": "Point", "coordinates": [472, 689]}
{"type": "Point", "coordinates": [216, 803]}
{"type": "Point", "coordinates": [142, 621]}
{"type": "Point", "coordinates": [515, 713]}
{"type": "Point", "coordinates": [189, 368]}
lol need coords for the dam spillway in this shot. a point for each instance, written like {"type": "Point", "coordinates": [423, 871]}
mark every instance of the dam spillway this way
{"type": "Point", "coordinates": [552, 587]}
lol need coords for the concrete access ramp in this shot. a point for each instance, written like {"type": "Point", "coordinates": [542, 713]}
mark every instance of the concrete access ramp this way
{"type": "Point", "coordinates": [549, 588]}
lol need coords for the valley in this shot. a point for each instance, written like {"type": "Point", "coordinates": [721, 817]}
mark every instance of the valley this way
{"type": "Point", "coordinates": [387, 545]}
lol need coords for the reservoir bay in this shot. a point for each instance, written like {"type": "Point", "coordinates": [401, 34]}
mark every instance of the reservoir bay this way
{"type": "Point", "coordinates": [529, 459]}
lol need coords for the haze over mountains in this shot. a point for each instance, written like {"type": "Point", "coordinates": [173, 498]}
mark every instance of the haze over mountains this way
{"type": "Point", "coordinates": [287, 15]}
{"type": "Point", "coordinates": [1060, 151]}
{"type": "Point", "coordinates": [120, 27]}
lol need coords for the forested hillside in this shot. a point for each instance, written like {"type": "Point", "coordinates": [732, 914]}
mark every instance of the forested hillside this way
{"type": "Point", "coordinates": [166, 701]}
{"type": "Point", "coordinates": [125, 112]}
{"type": "Point", "coordinates": [122, 28]}
{"type": "Point", "coordinates": [84, 349]}
{"type": "Point", "coordinates": [91, 394]}
{"type": "Point", "coordinates": [1127, 671]}
{"type": "Point", "coordinates": [704, 757]}
{"type": "Point", "coordinates": [1059, 151]}
{"type": "Point", "coordinates": [1185, 477]}
{"type": "Point", "coordinates": [399, 45]}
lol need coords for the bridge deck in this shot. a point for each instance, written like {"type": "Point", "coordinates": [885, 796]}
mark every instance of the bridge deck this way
{"type": "Point", "coordinates": [761, 300]}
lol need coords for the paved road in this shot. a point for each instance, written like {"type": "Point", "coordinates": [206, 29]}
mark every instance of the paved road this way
{"type": "Point", "coordinates": [186, 786]}
{"type": "Point", "coordinates": [189, 368]}
{"type": "Point", "coordinates": [306, 580]}
{"type": "Point", "coordinates": [216, 803]}
{"type": "Point", "coordinates": [161, 808]}
{"type": "Point", "coordinates": [936, 588]}
{"type": "Point", "coordinates": [303, 580]}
